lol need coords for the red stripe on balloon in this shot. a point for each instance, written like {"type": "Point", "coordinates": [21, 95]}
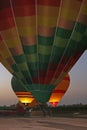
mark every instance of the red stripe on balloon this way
{"type": "Point", "coordinates": [51, 71]}
{"type": "Point", "coordinates": [74, 59]}
{"type": "Point", "coordinates": [49, 2]}
{"type": "Point", "coordinates": [59, 91]}
{"type": "Point", "coordinates": [59, 70]}
{"type": "Point", "coordinates": [66, 78]}
{"type": "Point", "coordinates": [52, 65]}
{"type": "Point", "coordinates": [42, 73]}
{"type": "Point", "coordinates": [6, 24]}
{"type": "Point", "coordinates": [49, 76]}
{"type": "Point", "coordinates": [80, 0]}
{"type": "Point", "coordinates": [5, 13]}
{"type": "Point", "coordinates": [4, 4]}
{"type": "Point", "coordinates": [41, 80]}
{"type": "Point", "coordinates": [21, 94]}
{"type": "Point", "coordinates": [26, 11]}
{"type": "Point", "coordinates": [6, 18]}
{"type": "Point", "coordinates": [35, 80]}
{"type": "Point", "coordinates": [23, 2]}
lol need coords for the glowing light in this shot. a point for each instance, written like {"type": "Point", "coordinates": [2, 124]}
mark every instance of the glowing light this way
{"type": "Point", "coordinates": [26, 100]}
{"type": "Point", "coordinates": [54, 104]}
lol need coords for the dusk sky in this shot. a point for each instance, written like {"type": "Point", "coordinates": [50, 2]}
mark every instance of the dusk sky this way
{"type": "Point", "coordinates": [77, 92]}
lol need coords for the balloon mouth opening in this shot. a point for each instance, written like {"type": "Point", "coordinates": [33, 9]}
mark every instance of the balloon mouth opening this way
{"type": "Point", "coordinates": [41, 96]}
{"type": "Point", "coordinates": [54, 104]}
{"type": "Point", "coordinates": [41, 92]}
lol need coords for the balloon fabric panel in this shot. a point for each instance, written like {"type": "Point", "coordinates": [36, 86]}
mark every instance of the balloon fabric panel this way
{"type": "Point", "coordinates": [75, 44]}
{"type": "Point", "coordinates": [47, 14]}
{"type": "Point", "coordinates": [62, 36]}
{"type": "Point", "coordinates": [59, 91]}
{"type": "Point", "coordinates": [27, 33]}
{"type": "Point", "coordinates": [41, 40]}
{"type": "Point", "coordinates": [14, 43]}
{"type": "Point", "coordinates": [21, 92]}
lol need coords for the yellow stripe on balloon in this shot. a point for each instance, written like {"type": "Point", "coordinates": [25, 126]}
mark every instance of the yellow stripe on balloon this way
{"type": "Point", "coordinates": [12, 42]}
{"type": "Point", "coordinates": [48, 11]}
{"type": "Point", "coordinates": [25, 21]}
{"type": "Point", "coordinates": [4, 51]}
{"type": "Point", "coordinates": [5, 64]}
{"type": "Point", "coordinates": [27, 31]}
{"type": "Point", "coordinates": [70, 10]}
{"type": "Point", "coordinates": [69, 14]}
{"type": "Point", "coordinates": [47, 21]}
{"type": "Point", "coordinates": [84, 8]}
{"type": "Point", "coordinates": [11, 37]}
{"type": "Point", "coordinates": [83, 13]}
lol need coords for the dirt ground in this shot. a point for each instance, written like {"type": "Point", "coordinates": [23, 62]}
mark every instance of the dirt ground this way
{"type": "Point", "coordinates": [42, 123]}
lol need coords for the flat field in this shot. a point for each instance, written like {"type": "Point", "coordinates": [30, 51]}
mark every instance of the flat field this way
{"type": "Point", "coordinates": [42, 123]}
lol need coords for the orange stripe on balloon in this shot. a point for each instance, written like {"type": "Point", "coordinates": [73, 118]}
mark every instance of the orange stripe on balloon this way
{"type": "Point", "coordinates": [64, 23]}
{"type": "Point", "coordinates": [46, 31]}
{"type": "Point", "coordinates": [28, 41]}
{"type": "Point", "coordinates": [23, 93]}
{"type": "Point", "coordinates": [16, 51]}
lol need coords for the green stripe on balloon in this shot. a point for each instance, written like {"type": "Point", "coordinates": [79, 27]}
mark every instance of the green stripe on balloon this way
{"type": "Point", "coordinates": [44, 50]}
{"type": "Point", "coordinates": [60, 42]}
{"type": "Point", "coordinates": [32, 58]}
{"type": "Point", "coordinates": [19, 58]}
{"type": "Point", "coordinates": [30, 49]}
{"type": "Point", "coordinates": [75, 43]}
{"type": "Point", "coordinates": [56, 55]}
{"type": "Point", "coordinates": [63, 33]}
{"type": "Point", "coordinates": [21, 63]}
{"type": "Point", "coordinates": [44, 58]}
{"type": "Point", "coordinates": [45, 40]}
{"type": "Point", "coordinates": [59, 45]}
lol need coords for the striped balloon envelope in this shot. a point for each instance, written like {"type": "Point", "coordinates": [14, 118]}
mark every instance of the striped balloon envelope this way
{"type": "Point", "coordinates": [59, 91]}
{"type": "Point", "coordinates": [24, 97]}
{"type": "Point", "coordinates": [41, 40]}
{"type": "Point", "coordinates": [27, 99]}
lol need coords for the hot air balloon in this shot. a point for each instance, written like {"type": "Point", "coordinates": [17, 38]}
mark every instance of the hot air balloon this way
{"type": "Point", "coordinates": [59, 91]}
{"type": "Point", "coordinates": [24, 96]}
{"type": "Point", "coordinates": [27, 98]}
{"type": "Point", "coordinates": [41, 40]}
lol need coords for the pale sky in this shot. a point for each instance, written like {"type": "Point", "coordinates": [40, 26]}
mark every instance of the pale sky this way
{"type": "Point", "coordinates": [77, 92]}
